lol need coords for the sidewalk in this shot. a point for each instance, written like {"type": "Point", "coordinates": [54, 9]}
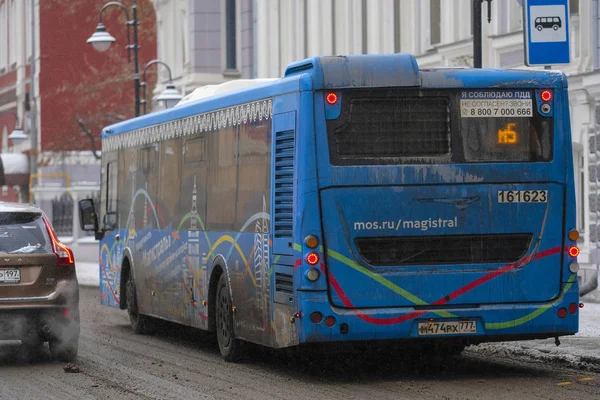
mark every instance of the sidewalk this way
{"type": "Point", "coordinates": [581, 351]}
{"type": "Point", "coordinates": [88, 274]}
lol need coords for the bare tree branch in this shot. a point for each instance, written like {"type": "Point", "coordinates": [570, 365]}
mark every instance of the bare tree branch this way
{"type": "Point", "coordinates": [87, 132]}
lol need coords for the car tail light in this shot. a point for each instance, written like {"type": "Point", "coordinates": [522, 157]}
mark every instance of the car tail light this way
{"type": "Point", "coordinates": [63, 253]}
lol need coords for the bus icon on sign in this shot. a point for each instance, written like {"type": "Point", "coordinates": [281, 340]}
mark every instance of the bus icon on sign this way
{"type": "Point", "coordinates": [547, 22]}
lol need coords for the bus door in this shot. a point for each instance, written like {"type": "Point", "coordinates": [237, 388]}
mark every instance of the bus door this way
{"type": "Point", "coordinates": [109, 224]}
{"type": "Point", "coordinates": [282, 181]}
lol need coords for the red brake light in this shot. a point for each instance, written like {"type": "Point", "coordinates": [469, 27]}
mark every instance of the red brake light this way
{"type": "Point", "coordinates": [573, 307]}
{"type": "Point", "coordinates": [63, 253]}
{"type": "Point", "coordinates": [312, 258]}
{"type": "Point", "coordinates": [331, 98]}
{"type": "Point", "coordinates": [562, 312]}
{"type": "Point", "coordinates": [573, 251]}
{"type": "Point", "coordinates": [546, 95]}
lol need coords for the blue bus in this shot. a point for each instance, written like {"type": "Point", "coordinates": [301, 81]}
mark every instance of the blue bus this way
{"type": "Point", "coordinates": [358, 198]}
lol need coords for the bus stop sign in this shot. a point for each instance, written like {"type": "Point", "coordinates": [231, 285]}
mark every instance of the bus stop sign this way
{"type": "Point", "coordinates": [546, 31]}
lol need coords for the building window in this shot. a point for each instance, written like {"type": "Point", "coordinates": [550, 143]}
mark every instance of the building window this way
{"type": "Point", "coordinates": [574, 6]}
{"type": "Point", "coordinates": [435, 22]}
{"type": "Point", "coordinates": [231, 35]}
{"type": "Point", "coordinates": [397, 28]}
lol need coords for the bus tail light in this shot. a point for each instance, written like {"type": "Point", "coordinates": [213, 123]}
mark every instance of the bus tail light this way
{"type": "Point", "coordinates": [316, 317]}
{"type": "Point", "coordinates": [546, 95]}
{"type": "Point", "coordinates": [311, 241]}
{"type": "Point", "coordinates": [330, 321]}
{"type": "Point", "coordinates": [573, 251]}
{"type": "Point", "coordinates": [312, 258]}
{"type": "Point", "coordinates": [573, 234]}
{"type": "Point", "coordinates": [331, 98]}
{"type": "Point", "coordinates": [573, 308]}
{"type": "Point", "coordinates": [312, 274]}
{"type": "Point", "coordinates": [573, 267]}
{"type": "Point", "coordinates": [562, 312]}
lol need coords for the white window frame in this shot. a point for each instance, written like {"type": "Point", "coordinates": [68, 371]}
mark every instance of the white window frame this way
{"type": "Point", "coordinates": [12, 51]}
{"type": "Point", "coordinates": [4, 6]}
{"type": "Point", "coordinates": [238, 39]}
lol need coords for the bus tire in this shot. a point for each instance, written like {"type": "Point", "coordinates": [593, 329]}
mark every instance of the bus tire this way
{"type": "Point", "coordinates": [141, 324]}
{"type": "Point", "coordinates": [229, 346]}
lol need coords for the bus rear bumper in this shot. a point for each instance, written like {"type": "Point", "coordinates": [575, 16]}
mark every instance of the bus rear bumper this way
{"type": "Point", "coordinates": [486, 323]}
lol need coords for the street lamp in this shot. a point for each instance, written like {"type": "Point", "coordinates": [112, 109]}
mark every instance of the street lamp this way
{"type": "Point", "coordinates": [170, 96]}
{"type": "Point", "coordinates": [101, 40]}
{"type": "Point", "coordinates": [17, 136]}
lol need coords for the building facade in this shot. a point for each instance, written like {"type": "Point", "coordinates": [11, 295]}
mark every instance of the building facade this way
{"type": "Point", "coordinates": [75, 92]}
{"type": "Point", "coordinates": [439, 33]}
{"type": "Point", "coordinates": [205, 41]}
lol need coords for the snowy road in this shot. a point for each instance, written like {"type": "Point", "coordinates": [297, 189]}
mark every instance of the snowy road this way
{"type": "Point", "coordinates": [184, 364]}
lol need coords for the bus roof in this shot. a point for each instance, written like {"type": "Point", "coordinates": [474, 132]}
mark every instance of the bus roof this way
{"type": "Point", "coordinates": [343, 72]}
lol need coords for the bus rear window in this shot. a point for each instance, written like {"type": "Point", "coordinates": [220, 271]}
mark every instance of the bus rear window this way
{"type": "Point", "coordinates": [429, 127]}
{"type": "Point", "coordinates": [508, 139]}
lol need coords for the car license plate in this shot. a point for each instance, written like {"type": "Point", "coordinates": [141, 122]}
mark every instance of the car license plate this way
{"type": "Point", "coordinates": [433, 328]}
{"type": "Point", "coordinates": [522, 196]}
{"type": "Point", "coordinates": [10, 276]}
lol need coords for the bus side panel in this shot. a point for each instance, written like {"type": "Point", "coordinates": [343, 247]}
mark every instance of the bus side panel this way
{"type": "Point", "coordinates": [286, 121]}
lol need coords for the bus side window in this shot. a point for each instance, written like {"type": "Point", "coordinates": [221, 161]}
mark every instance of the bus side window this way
{"type": "Point", "coordinates": [110, 216]}
{"type": "Point", "coordinates": [192, 196]}
{"type": "Point", "coordinates": [170, 177]}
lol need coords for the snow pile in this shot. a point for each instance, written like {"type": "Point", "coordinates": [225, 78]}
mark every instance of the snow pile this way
{"type": "Point", "coordinates": [88, 274]}
{"type": "Point", "coordinates": [581, 351]}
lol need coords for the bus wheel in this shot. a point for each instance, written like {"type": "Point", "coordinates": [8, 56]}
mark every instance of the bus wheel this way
{"type": "Point", "coordinates": [229, 346]}
{"type": "Point", "coordinates": [140, 324]}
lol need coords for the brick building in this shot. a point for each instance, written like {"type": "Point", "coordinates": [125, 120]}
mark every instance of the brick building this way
{"type": "Point", "coordinates": [77, 90]}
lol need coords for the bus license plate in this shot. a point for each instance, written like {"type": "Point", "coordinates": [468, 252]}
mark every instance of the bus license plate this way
{"type": "Point", "coordinates": [10, 276]}
{"type": "Point", "coordinates": [522, 196]}
{"type": "Point", "coordinates": [433, 328]}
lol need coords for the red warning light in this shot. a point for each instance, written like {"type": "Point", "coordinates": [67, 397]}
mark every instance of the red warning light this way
{"type": "Point", "coordinates": [546, 95]}
{"type": "Point", "coordinates": [573, 251]}
{"type": "Point", "coordinates": [312, 258]}
{"type": "Point", "coordinates": [331, 98]}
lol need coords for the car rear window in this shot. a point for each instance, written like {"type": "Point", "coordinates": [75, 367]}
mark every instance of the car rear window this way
{"type": "Point", "coordinates": [23, 233]}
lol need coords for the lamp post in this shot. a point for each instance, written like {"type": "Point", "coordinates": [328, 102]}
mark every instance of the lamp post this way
{"type": "Point", "coordinates": [170, 95]}
{"type": "Point", "coordinates": [17, 136]}
{"type": "Point", "coordinates": [101, 40]}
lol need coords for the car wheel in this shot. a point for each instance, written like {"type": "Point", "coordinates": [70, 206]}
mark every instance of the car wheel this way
{"type": "Point", "coordinates": [229, 346]}
{"type": "Point", "coordinates": [64, 349]}
{"type": "Point", "coordinates": [140, 324]}
{"type": "Point", "coordinates": [555, 27]}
